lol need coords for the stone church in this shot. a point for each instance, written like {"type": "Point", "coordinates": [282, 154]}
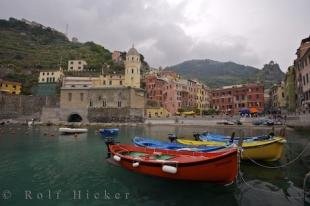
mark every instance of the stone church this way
{"type": "Point", "coordinates": [106, 98]}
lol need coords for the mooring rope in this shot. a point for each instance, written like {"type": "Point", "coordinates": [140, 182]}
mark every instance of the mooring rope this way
{"type": "Point", "coordinates": [269, 191]}
{"type": "Point", "coordinates": [280, 166]}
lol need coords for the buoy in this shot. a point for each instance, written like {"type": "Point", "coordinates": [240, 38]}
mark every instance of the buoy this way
{"type": "Point", "coordinates": [135, 164]}
{"type": "Point", "coordinates": [169, 169]}
{"type": "Point", "coordinates": [117, 158]}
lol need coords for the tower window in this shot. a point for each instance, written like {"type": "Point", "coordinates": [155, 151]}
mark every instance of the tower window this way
{"type": "Point", "coordinates": [119, 104]}
{"type": "Point", "coordinates": [132, 71]}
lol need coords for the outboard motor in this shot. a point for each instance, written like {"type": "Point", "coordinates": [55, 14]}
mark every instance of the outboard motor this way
{"type": "Point", "coordinates": [232, 138]}
{"type": "Point", "coordinates": [172, 137]}
{"type": "Point", "coordinates": [109, 141]}
{"type": "Point", "coordinates": [196, 136]}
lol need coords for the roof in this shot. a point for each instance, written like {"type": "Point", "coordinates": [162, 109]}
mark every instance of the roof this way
{"type": "Point", "coordinates": [9, 82]}
{"type": "Point", "coordinates": [133, 51]}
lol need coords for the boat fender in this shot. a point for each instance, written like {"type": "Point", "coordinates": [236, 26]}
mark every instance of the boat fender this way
{"type": "Point", "coordinates": [117, 158]}
{"type": "Point", "coordinates": [135, 164]}
{"type": "Point", "coordinates": [169, 169]}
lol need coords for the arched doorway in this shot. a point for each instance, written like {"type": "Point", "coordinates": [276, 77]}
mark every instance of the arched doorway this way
{"type": "Point", "coordinates": [75, 118]}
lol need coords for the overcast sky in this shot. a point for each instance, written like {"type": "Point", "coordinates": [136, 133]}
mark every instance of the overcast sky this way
{"type": "Point", "coordinates": [167, 32]}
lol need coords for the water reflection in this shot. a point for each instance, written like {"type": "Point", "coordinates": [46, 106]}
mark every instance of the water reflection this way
{"type": "Point", "coordinates": [261, 193]}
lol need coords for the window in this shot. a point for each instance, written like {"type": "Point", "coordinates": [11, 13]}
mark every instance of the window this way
{"type": "Point", "coordinates": [79, 62]}
{"type": "Point", "coordinates": [132, 71]}
{"type": "Point", "coordinates": [43, 74]}
{"type": "Point", "coordinates": [71, 67]}
{"type": "Point", "coordinates": [69, 97]}
{"type": "Point", "coordinates": [71, 62]}
{"type": "Point", "coordinates": [104, 82]}
{"type": "Point", "coordinates": [90, 103]}
{"type": "Point", "coordinates": [99, 98]}
{"type": "Point", "coordinates": [104, 103]}
{"type": "Point", "coordinates": [119, 104]}
{"type": "Point", "coordinates": [48, 73]}
{"type": "Point", "coordinates": [257, 96]}
{"type": "Point", "coordinates": [250, 97]}
{"type": "Point", "coordinates": [81, 97]}
{"type": "Point", "coordinates": [80, 68]}
{"type": "Point", "coordinates": [121, 82]}
{"type": "Point", "coordinates": [307, 77]}
{"type": "Point", "coordinates": [52, 73]}
{"type": "Point", "coordinates": [304, 80]}
{"type": "Point", "coordinates": [41, 80]}
{"type": "Point", "coordinates": [14, 86]}
{"type": "Point", "coordinates": [110, 82]}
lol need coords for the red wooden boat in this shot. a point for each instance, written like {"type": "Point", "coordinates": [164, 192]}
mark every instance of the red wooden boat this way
{"type": "Point", "coordinates": [218, 167]}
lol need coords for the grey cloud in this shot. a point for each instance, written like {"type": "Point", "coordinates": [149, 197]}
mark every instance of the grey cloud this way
{"type": "Point", "coordinates": [154, 27]}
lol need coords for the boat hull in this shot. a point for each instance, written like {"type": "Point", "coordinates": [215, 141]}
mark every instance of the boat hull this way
{"type": "Point", "coordinates": [221, 170]}
{"type": "Point", "coordinates": [158, 144]}
{"type": "Point", "coordinates": [72, 130]}
{"type": "Point", "coordinates": [266, 150]}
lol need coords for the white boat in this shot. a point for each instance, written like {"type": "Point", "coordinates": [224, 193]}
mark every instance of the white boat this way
{"type": "Point", "coordinates": [67, 130]}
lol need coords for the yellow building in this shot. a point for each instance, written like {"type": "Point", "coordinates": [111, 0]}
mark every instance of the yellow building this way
{"type": "Point", "coordinates": [130, 78]}
{"type": "Point", "coordinates": [158, 112]}
{"type": "Point", "coordinates": [132, 68]}
{"type": "Point", "coordinates": [10, 87]}
{"type": "Point", "coordinates": [202, 100]}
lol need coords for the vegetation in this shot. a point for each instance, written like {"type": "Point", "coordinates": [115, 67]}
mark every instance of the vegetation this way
{"type": "Point", "coordinates": [26, 49]}
{"type": "Point", "coordinates": [217, 74]}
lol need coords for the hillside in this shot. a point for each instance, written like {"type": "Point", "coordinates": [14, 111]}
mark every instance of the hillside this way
{"type": "Point", "coordinates": [25, 49]}
{"type": "Point", "coordinates": [217, 74]}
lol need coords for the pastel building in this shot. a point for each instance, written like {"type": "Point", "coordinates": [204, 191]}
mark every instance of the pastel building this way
{"type": "Point", "coordinates": [10, 87]}
{"type": "Point", "coordinates": [302, 69]}
{"type": "Point", "coordinates": [50, 76]}
{"type": "Point", "coordinates": [230, 99]}
{"type": "Point", "coordinates": [76, 65]}
{"type": "Point", "coordinates": [173, 93]}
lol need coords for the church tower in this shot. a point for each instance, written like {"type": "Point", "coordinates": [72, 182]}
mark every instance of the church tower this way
{"type": "Point", "coordinates": [132, 68]}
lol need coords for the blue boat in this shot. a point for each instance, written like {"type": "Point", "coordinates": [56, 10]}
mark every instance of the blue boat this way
{"type": "Point", "coordinates": [207, 136]}
{"type": "Point", "coordinates": [109, 132]}
{"type": "Point", "coordinates": [158, 144]}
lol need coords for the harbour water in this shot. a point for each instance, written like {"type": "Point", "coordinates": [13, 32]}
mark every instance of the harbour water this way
{"type": "Point", "coordinates": [40, 167]}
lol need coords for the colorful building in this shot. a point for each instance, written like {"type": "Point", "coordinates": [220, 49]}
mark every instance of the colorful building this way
{"type": "Point", "coordinates": [277, 97]}
{"type": "Point", "coordinates": [156, 112]}
{"type": "Point", "coordinates": [76, 65]}
{"type": "Point", "coordinates": [302, 72]}
{"type": "Point", "coordinates": [174, 94]}
{"type": "Point", "coordinates": [50, 76]}
{"type": "Point", "coordinates": [10, 87]}
{"type": "Point", "coordinates": [231, 99]}
{"type": "Point", "coordinates": [289, 91]}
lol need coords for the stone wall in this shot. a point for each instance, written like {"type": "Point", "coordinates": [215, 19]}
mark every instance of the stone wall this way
{"type": "Point", "coordinates": [13, 106]}
{"type": "Point", "coordinates": [106, 115]}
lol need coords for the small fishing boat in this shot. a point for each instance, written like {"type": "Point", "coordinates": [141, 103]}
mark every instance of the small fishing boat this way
{"type": "Point", "coordinates": [266, 150]}
{"type": "Point", "coordinates": [217, 167]}
{"type": "Point", "coordinates": [109, 132]}
{"type": "Point", "coordinates": [158, 144]}
{"type": "Point", "coordinates": [67, 130]}
{"type": "Point", "coordinates": [207, 136]}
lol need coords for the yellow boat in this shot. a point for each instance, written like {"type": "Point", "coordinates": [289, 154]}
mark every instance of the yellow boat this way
{"type": "Point", "coordinates": [267, 150]}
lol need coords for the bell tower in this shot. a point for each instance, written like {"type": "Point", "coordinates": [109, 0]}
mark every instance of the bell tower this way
{"type": "Point", "coordinates": [132, 68]}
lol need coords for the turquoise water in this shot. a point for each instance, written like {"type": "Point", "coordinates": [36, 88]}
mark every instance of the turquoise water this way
{"type": "Point", "coordinates": [40, 167]}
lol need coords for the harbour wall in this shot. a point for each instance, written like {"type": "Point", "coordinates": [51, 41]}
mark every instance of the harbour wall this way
{"type": "Point", "coordinates": [15, 106]}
